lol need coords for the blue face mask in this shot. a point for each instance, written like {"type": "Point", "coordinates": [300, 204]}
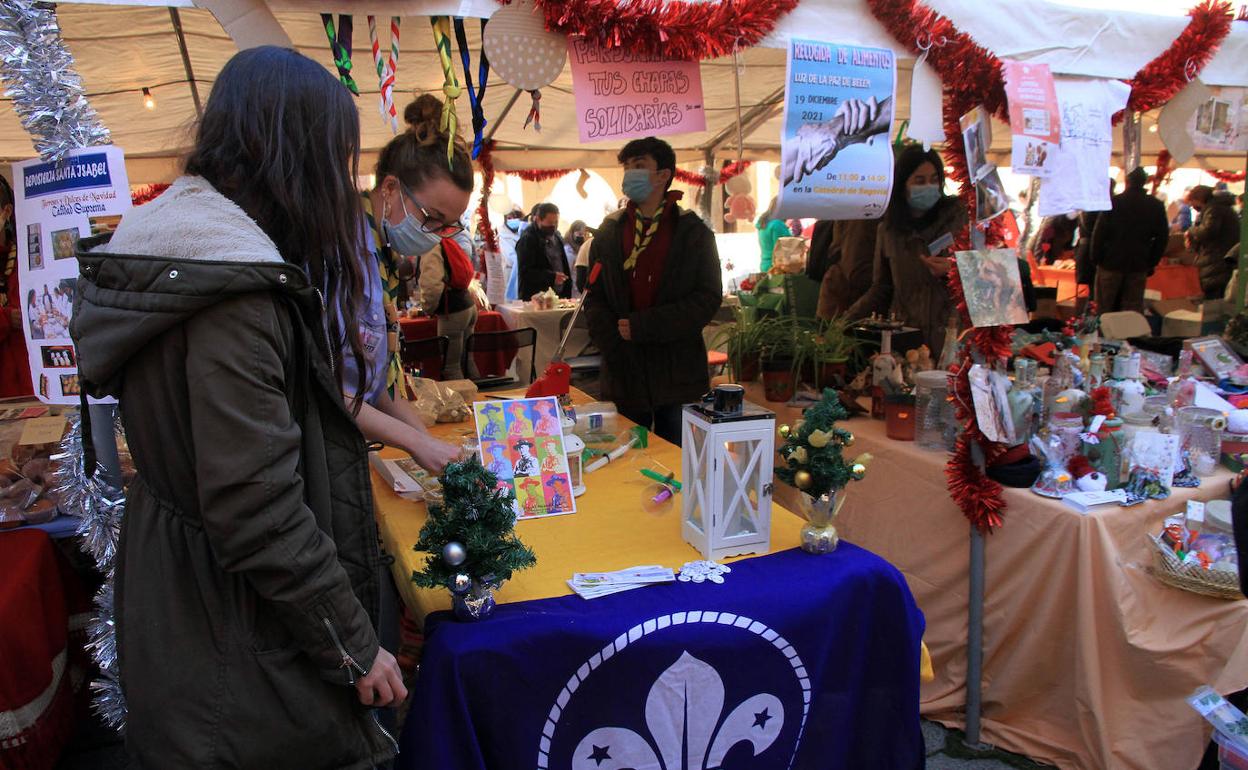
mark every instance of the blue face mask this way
{"type": "Point", "coordinates": [407, 237]}
{"type": "Point", "coordinates": [637, 185]}
{"type": "Point", "coordinates": [513, 225]}
{"type": "Point", "coordinates": [923, 197]}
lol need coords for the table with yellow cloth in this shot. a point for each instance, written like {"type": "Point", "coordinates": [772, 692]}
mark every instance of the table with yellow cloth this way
{"type": "Point", "coordinates": [864, 650]}
{"type": "Point", "coordinates": [1087, 657]}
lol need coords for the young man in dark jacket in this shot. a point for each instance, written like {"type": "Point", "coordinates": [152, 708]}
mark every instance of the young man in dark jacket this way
{"type": "Point", "coordinates": [540, 256]}
{"type": "Point", "coordinates": [1127, 245]}
{"type": "Point", "coordinates": [1215, 232]}
{"type": "Point", "coordinates": [659, 286]}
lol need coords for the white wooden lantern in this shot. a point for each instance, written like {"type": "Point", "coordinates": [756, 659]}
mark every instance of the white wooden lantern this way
{"type": "Point", "coordinates": [573, 446]}
{"type": "Point", "coordinates": [726, 479]}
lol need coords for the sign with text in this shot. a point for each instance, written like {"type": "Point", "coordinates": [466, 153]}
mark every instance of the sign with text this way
{"type": "Point", "coordinates": [1035, 123]}
{"type": "Point", "coordinates": [55, 205]}
{"type": "Point", "coordinates": [623, 94]}
{"type": "Point", "coordinates": [836, 160]}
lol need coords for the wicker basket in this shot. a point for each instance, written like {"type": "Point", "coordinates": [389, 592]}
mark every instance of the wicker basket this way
{"type": "Point", "coordinates": [1219, 583]}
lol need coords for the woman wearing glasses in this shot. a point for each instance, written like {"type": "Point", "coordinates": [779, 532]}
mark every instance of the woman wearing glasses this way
{"type": "Point", "coordinates": [413, 210]}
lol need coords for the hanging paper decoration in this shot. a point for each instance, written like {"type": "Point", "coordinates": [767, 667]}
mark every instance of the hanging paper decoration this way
{"type": "Point", "coordinates": [535, 112]}
{"type": "Point", "coordinates": [386, 70]}
{"type": "Point", "coordinates": [521, 50]}
{"type": "Point", "coordinates": [678, 29]}
{"type": "Point", "coordinates": [450, 87]}
{"type": "Point", "coordinates": [340, 47]}
{"type": "Point", "coordinates": [476, 96]}
{"type": "Point", "coordinates": [39, 77]}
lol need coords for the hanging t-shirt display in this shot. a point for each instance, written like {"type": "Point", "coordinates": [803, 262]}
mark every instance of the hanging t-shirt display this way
{"type": "Point", "coordinates": [1080, 180]}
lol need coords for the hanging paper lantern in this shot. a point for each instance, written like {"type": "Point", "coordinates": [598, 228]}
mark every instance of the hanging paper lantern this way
{"type": "Point", "coordinates": [520, 49]}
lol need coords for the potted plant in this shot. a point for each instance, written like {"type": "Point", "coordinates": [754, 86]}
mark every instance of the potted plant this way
{"type": "Point", "coordinates": [742, 341]}
{"type": "Point", "coordinates": [832, 351]}
{"type": "Point", "coordinates": [782, 357]}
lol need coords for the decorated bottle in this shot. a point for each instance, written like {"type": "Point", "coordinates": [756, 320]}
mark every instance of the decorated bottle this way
{"type": "Point", "coordinates": [1182, 391]}
{"type": "Point", "coordinates": [1060, 380]}
{"type": "Point", "coordinates": [1125, 387]}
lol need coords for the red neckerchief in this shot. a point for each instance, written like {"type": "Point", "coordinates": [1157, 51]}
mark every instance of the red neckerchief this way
{"type": "Point", "coordinates": [649, 269]}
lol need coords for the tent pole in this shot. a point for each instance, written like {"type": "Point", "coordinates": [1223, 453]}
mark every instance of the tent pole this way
{"type": "Point", "coordinates": [176, 18]}
{"type": "Point", "coordinates": [708, 163]}
{"type": "Point", "coordinates": [1241, 279]}
{"type": "Point", "coordinates": [752, 119]}
{"type": "Point", "coordinates": [494, 124]}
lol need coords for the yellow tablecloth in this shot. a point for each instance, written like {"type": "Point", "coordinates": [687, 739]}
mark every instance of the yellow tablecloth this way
{"type": "Point", "coordinates": [609, 531]}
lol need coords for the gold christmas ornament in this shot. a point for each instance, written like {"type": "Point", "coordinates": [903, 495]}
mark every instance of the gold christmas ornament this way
{"type": "Point", "coordinates": [800, 455]}
{"type": "Point", "coordinates": [803, 479]}
{"type": "Point", "coordinates": [818, 439]}
{"type": "Point", "coordinates": [849, 440]}
{"type": "Point", "coordinates": [784, 431]}
{"type": "Point", "coordinates": [858, 471]}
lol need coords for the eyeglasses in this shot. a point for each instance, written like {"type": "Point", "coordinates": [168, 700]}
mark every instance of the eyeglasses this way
{"type": "Point", "coordinates": [431, 224]}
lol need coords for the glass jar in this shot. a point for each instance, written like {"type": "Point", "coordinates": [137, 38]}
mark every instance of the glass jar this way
{"type": "Point", "coordinates": [1096, 370]}
{"type": "Point", "coordinates": [1200, 438]}
{"type": "Point", "coordinates": [931, 409]}
{"type": "Point", "coordinates": [899, 418]}
{"type": "Point", "coordinates": [1060, 380]}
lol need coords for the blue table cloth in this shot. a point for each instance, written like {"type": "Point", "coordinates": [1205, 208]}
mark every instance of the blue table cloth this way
{"type": "Point", "coordinates": [795, 661]}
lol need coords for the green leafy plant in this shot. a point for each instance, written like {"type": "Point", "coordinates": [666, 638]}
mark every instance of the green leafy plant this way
{"type": "Point", "coordinates": [478, 516]}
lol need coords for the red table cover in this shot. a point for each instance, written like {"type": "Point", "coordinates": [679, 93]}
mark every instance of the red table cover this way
{"type": "Point", "coordinates": [37, 593]}
{"type": "Point", "coordinates": [489, 362]}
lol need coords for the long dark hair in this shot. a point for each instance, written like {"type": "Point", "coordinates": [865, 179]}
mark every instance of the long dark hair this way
{"type": "Point", "coordinates": [419, 153]}
{"type": "Point", "coordinates": [281, 138]}
{"type": "Point", "coordinates": [10, 228]}
{"type": "Point", "coordinates": [908, 160]}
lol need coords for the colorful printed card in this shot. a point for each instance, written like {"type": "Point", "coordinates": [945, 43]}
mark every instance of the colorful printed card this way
{"type": "Point", "coordinates": [522, 444]}
{"type": "Point", "coordinates": [993, 287]}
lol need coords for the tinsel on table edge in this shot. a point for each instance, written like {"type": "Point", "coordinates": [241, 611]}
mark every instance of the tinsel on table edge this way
{"type": "Point", "coordinates": [38, 73]}
{"type": "Point", "coordinates": [677, 29]}
{"type": "Point", "coordinates": [99, 508]}
{"type": "Point", "coordinates": [971, 75]}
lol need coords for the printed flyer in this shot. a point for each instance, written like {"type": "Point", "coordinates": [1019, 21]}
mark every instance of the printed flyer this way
{"type": "Point", "coordinates": [55, 205]}
{"type": "Point", "coordinates": [1220, 124]}
{"type": "Point", "coordinates": [993, 287]}
{"type": "Point", "coordinates": [623, 94]}
{"type": "Point", "coordinates": [836, 160]}
{"type": "Point", "coordinates": [522, 444]}
{"type": "Point", "coordinates": [1035, 123]}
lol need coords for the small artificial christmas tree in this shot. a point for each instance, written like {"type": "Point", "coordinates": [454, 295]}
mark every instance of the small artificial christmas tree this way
{"type": "Point", "coordinates": [470, 538]}
{"type": "Point", "coordinates": [812, 452]}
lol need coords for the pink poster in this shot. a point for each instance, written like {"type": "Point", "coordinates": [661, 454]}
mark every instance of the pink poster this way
{"type": "Point", "coordinates": [1034, 118]}
{"type": "Point", "coordinates": [622, 94]}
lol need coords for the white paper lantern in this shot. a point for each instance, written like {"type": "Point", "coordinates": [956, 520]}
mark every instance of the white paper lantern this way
{"type": "Point", "coordinates": [727, 480]}
{"type": "Point", "coordinates": [521, 50]}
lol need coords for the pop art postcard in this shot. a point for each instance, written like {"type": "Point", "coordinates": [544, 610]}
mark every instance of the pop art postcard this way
{"type": "Point", "coordinates": [522, 444]}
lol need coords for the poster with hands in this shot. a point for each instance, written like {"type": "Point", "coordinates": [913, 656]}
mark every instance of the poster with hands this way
{"type": "Point", "coordinates": [836, 160]}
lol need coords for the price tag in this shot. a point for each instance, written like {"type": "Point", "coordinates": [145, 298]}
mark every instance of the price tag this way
{"type": "Point", "coordinates": [42, 430]}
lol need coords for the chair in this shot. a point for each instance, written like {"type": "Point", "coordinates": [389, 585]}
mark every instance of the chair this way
{"type": "Point", "coordinates": [583, 362]}
{"type": "Point", "coordinates": [428, 356]}
{"type": "Point", "coordinates": [511, 342]}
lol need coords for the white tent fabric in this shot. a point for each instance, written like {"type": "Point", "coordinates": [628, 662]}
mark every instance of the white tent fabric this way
{"type": "Point", "coordinates": [121, 49]}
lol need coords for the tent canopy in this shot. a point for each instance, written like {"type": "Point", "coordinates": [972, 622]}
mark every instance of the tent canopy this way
{"type": "Point", "coordinates": [121, 49]}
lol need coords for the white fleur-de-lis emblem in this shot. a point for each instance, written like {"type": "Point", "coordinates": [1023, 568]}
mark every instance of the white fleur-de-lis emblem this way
{"type": "Point", "coordinates": [683, 712]}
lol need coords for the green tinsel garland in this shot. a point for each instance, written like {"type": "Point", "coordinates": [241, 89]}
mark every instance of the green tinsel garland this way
{"type": "Point", "coordinates": [479, 516]}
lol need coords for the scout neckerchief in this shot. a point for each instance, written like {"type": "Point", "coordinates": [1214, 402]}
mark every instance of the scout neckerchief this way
{"type": "Point", "coordinates": [390, 284]}
{"type": "Point", "coordinates": [644, 229]}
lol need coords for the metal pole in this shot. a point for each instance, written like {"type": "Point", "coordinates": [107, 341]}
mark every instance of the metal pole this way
{"type": "Point", "coordinates": [708, 192]}
{"type": "Point", "coordinates": [176, 18]}
{"type": "Point", "coordinates": [499, 120]}
{"type": "Point", "coordinates": [975, 641]}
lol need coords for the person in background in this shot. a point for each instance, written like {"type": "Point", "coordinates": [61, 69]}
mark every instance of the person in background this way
{"type": "Point", "coordinates": [445, 275]}
{"type": "Point", "coordinates": [1215, 232]}
{"type": "Point", "coordinates": [573, 239]}
{"type": "Point", "coordinates": [906, 278]}
{"type": "Point", "coordinates": [851, 262]}
{"type": "Point", "coordinates": [514, 224]}
{"type": "Point", "coordinates": [1182, 220]}
{"type": "Point", "coordinates": [581, 266]}
{"type": "Point", "coordinates": [14, 364]}
{"type": "Point", "coordinates": [659, 286]}
{"type": "Point", "coordinates": [248, 569]}
{"type": "Point", "coordinates": [420, 200]}
{"type": "Point", "coordinates": [1085, 266]}
{"type": "Point", "coordinates": [770, 230]}
{"type": "Point", "coordinates": [1055, 238]}
{"type": "Point", "coordinates": [543, 262]}
{"type": "Point", "coordinates": [1127, 245]}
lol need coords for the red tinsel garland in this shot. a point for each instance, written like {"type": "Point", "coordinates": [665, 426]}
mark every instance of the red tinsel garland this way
{"type": "Point", "coordinates": [736, 168]}
{"type": "Point", "coordinates": [540, 174]}
{"type": "Point", "coordinates": [677, 29]}
{"type": "Point", "coordinates": [148, 193]}
{"type": "Point", "coordinates": [486, 159]}
{"type": "Point", "coordinates": [1162, 78]}
{"type": "Point", "coordinates": [971, 76]}
{"type": "Point", "coordinates": [1230, 177]}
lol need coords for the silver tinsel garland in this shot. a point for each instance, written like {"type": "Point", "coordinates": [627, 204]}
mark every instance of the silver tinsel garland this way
{"type": "Point", "coordinates": [39, 76]}
{"type": "Point", "coordinates": [99, 508]}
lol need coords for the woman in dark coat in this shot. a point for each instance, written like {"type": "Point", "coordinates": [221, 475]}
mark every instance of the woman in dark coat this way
{"type": "Point", "coordinates": [248, 569]}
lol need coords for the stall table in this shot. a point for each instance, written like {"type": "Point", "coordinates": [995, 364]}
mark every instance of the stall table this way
{"type": "Point", "coordinates": [489, 362]}
{"type": "Point", "coordinates": [522, 316]}
{"type": "Point", "coordinates": [1087, 657]}
{"type": "Point", "coordinates": [1172, 281]}
{"type": "Point", "coordinates": [556, 681]}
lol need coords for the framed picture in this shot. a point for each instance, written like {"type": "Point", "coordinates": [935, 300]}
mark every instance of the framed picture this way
{"type": "Point", "coordinates": [1215, 355]}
